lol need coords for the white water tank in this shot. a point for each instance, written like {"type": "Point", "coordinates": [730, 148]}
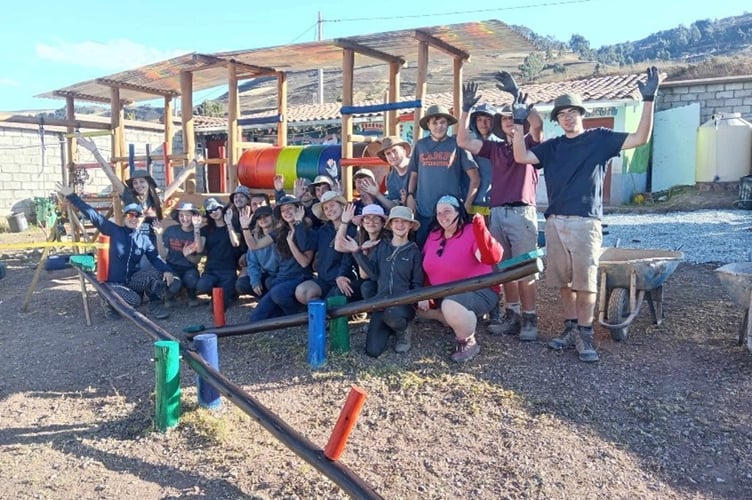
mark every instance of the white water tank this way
{"type": "Point", "coordinates": [724, 148]}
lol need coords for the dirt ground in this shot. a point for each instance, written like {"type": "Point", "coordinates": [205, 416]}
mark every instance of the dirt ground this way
{"type": "Point", "coordinates": [665, 414]}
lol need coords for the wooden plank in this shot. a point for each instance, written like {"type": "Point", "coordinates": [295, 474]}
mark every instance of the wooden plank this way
{"type": "Point", "coordinates": [186, 113]}
{"type": "Point", "coordinates": [233, 110]}
{"type": "Point", "coordinates": [138, 88]}
{"type": "Point", "coordinates": [394, 96]}
{"type": "Point", "coordinates": [118, 147]}
{"type": "Point", "coordinates": [168, 125]}
{"type": "Point", "coordinates": [420, 87]}
{"type": "Point", "coordinates": [441, 45]}
{"type": "Point", "coordinates": [457, 87]}
{"type": "Point", "coordinates": [282, 108]}
{"type": "Point", "coordinates": [368, 51]}
{"type": "Point", "coordinates": [56, 122]}
{"type": "Point", "coordinates": [348, 77]}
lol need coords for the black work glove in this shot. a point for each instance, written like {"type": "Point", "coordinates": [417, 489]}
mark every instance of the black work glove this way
{"type": "Point", "coordinates": [507, 83]}
{"type": "Point", "coordinates": [469, 97]}
{"type": "Point", "coordinates": [521, 110]}
{"type": "Point", "coordinates": [650, 87]}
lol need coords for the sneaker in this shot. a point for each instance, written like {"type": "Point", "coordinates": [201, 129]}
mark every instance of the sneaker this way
{"type": "Point", "coordinates": [358, 317]}
{"type": "Point", "coordinates": [565, 340]}
{"type": "Point", "coordinates": [494, 317]}
{"type": "Point", "coordinates": [510, 324]}
{"type": "Point", "coordinates": [584, 345]}
{"type": "Point", "coordinates": [109, 311]}
{"type": "Point", "coordinates": [529, 330]}
{"type": "Point", "coordinates": [194, 302]}
{"type": "Point", "coordinates": [157, 311]}
{"type": "Point", "coordinates": [403, 340]}
{"type": "Point", "coordinates": [465, 350]}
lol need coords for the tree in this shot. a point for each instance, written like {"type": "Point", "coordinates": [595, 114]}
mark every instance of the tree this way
{"type": "Point", "coordinates": [532, 66]}
{"type": "Point", "coordinates": [579, 45]}
{"type": "Point", "coordinates": [210, 108]}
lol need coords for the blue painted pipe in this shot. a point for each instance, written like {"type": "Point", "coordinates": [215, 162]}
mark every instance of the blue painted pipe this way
{"type": "Point", "coordinates": [316, 333]}
{"type": "Point", "coordinates": [131, 158]}
{"type": "Point", "coordinates": [206, 346]}
{"type": "Point", "coordinates": [374, 108]}
{"type": "Point", "coordinates": [261, 120]}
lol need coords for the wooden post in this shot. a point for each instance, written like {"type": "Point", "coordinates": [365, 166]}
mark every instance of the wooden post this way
{"type": "Point", "coordinates": [167, 144]}
{"type": "Point", "coordinates": [85, 297]}
{"type": "Point", "coordinates": [420, 87]}
{"type": "Point", "coordinates": [348, 68]}
{"type": "Point", "coordinates": [345, 423]}
{"type": "Point", "coordinates": [457, 87]}
{"type": "Point", "coordinates": [118, 146]}
{"type": "Point", "coordinates": [167, 384]}
{"type": "Point", "coordinates": [186, 114]}
{"type": "Point", "coordinates": [394, 96]}
{"type": "Point", "coordinates": [233, 111]}
{"type": "Point", "coordinates": [282, 108]}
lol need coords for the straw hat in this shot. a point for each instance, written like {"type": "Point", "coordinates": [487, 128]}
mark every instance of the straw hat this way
{"type": "Point", "coordinates": [436, 110]}
{"type": "Point", "coordinates": [318, 208]}
{"type": "Point", "coordinates": [404, 213]}
{"type": "Point", "coordinates": [372, 209]}
{"type": "Point", "coordinates": [390, 142]}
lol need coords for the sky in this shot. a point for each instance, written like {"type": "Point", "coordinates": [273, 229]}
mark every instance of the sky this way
{"type": "Point", "coordinates": [52, 44]}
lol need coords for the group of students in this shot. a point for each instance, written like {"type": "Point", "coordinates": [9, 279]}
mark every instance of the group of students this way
{"type": "Point", "coordinates": [428, 227]}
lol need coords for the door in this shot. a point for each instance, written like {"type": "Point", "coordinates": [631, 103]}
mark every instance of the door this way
{"type": "Point", "coordinates": [674, 142]}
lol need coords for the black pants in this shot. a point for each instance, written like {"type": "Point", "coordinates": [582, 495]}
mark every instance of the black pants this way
{"type": "Point", "coordinates": [383, 323]}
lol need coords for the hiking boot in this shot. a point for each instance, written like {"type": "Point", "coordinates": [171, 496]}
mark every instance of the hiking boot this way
{"type": "Point", "coordinates": [494, 317]}
{"type": "Point", "coordinates": [565, 340]}
{"type": "Point", "coordinates": [157, 311]}
{"type": "Point", "coordinates": [403, 340]}
{"type": "Point", "coordinates": [584, 345]}
{"type": "Point", "coordinates": [109, 311]}
{"type": "Point", "coordinates": [194, 302]}
{"type": "Point", "coordinates": [465, 350]}
{"type": "Point", "coordinates": [510, 324]}
{"type": "Point", "coordinates": [529, 330]}
{"type": "Point", "coordinates": [174, 287]}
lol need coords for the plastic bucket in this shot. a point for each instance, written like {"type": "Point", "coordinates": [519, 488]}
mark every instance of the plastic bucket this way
{"type": "Point", "coordinates": [17, 222]}
{"type": "Point", "coordinates": [745, 193]}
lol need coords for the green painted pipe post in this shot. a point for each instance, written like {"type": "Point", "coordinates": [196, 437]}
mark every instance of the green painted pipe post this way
{"type": "Point", "coordinates": [167, 383]}
{"type": "Point", "coordinates": [339, 332]}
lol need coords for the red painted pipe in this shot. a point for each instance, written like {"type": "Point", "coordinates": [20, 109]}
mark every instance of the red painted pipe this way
{"type": "Point", "coordinates": [103, 258]}
{"type": "Point", "coordinates": [345, 423]}
{"type": "Point", "coordinates": [218, 302]}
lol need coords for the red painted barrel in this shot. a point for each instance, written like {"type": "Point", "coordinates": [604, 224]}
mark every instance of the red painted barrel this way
{"type": "Point", "coordinates": [257, 168]}
{"type": "Point", "coordinates": [247, 167]}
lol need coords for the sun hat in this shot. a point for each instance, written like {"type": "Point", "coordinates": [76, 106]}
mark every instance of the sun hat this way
{"type": "Point", "coordinates": [364, 172]}
{"type": "Point", "coordinates": [390, 142]}
{"type": "Point", "coordinates": [436, 110]}
{"type": "Point", "coordinates": [404, 213]}
{"type": "Point", "coordinates": [211, 204]}
{"type": "Point", "coordinates": [288, 199]}
{"type": "Point", "coordinates": [318, 208]}
{"type": "Point", "coordinates": [567, 101]}
{"type": "Point", "coordinates": [185, 206]}
{"type": "Point", "coordinates": [372, 209]}
{"type": "Point", "coordinates": [141, 173]}
{"type": "Point", "coordinates": [505, 111]}
{"type": "Point", "coordinates": [241, 190]}
{"type": "Point", "coordinates": [133, 207]}
{"type": "Point", "coordinates": [262, 211]}
{"type": "Point", "coordinates": [322, 179]}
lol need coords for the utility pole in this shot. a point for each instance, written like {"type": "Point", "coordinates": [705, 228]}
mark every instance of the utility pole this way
{"type": "Point", "coordinates": [319, 36]}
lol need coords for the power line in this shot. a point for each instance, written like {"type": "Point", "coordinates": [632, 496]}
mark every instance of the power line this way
{"type": "Point", "coordinates": [304, 33]}
{"type": "Point", "coordinates": [454, 13]}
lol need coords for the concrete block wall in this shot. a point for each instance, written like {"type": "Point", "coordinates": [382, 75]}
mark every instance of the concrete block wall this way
{"type": "Point", "coordinates": [715, 95]}
{"type": "Point", "coordinates": [28, 171]}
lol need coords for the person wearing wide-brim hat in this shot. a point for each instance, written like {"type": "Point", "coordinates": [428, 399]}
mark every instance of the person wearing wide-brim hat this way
{"type": "Point", "coordinates": [396, 152]}
{"type": "Point", "coordinates": [328, 197]}
{"type": "Point", "coordinates": [574, 165]}
{"type": "Point", "coordinates": [182, 245]}
{"type": "Point", "coordinates": [438, 167]}
{"type": "Point", "coordinates": [396, 265]}
{"type": "Point", "coordinates": [513, 218]}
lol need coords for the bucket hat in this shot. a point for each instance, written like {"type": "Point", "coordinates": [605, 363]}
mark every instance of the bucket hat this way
{"type": "Point", "coordinates": [404, 213]}
{"type": "Point", "coordinates": [567, 101]}
{"type": "Point", "coordinates": [185, 206]}
{"type": "Point", "coordinates": [211, 204]}
{"type": "Point", "coordinates": [391, 141]}
{"type": "Point", "coordinates": [318, 208]}
{"type": "Point", "coordinates": [322, 179]}
{"type": "Point", "coordinates": [142, 173]}
{"type": "Point", "coordinates": [436, 110]}
{"type": "Point", "coordinates": [263, 211]}
{"type": "Point", "coordinates": [241, 190]}
{"type": "Point", "coordinates": [133, 207]}
{"type": "Point", "coordinates": [285, 200]}
{"type": "Point", "coordinates": [372, 209]}
{"type": "Point", "coordinates": [497, 130]}
{"type": "Point", "coordinates": [364, 172]}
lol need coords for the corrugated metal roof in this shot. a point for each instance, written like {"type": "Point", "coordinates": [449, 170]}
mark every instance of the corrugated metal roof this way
{"type": "Point", "coordinates": [209, 70]}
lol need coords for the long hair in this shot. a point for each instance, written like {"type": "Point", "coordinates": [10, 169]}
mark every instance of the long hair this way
{"type": "Point", "coordinates": [211, 224]}
{"type": "Point", "coordinates": [280, 239]}
{"type": "Point", "coordinates": [463, 218]}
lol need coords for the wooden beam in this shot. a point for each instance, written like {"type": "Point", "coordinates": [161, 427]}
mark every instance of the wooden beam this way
{"type": "Point", "coordinates": [233, 105]}
{"type": "Point", "coordinates": [282, 108]}
{"type": "Point", "coordinates": [457, 87]}
{"type": "Point", "coordinates": [70, 142]}
{"type": "Point", "coordinates": [118, 147]}
{"type": "Point", "coordinates": [394, 96]}
{"type": "Point", "coordinates": [368, 51]}
{"type": "Point", "coordinates": [441, 45]}
{"type": "Point", "coordinates": [348, 77]}
{"type": "Point", "coordinates": [138, 88]}
{"type": "Point", "coordinates": [215, 62]}
{"type": "Point", "coordinates": [420, 87]}
{"type": "Point", "coordinates": [168, 125]}
{"type": "Point", "coordinates": [56, 122]}
{"type": "Point", "coordinates": [80, 96]}
{"type": "Point", "coordinates": [186, 113]}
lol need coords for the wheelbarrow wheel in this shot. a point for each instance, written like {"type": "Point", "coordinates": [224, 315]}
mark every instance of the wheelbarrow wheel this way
{"type": "Point", "coordinates": [617, 312]}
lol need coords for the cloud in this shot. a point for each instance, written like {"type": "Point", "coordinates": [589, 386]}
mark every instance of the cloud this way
{"type": "Point", "coordinates": [114, 55]}
{"type": "Point", "coordinates": [8, 82]}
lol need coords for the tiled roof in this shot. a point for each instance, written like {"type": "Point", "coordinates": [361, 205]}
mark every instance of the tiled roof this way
{"type": "Point", "coordinates": [593, 90]}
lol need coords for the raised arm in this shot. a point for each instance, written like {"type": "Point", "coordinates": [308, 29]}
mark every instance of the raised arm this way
{"type": "Point", "coordinates": [645, 127]}
{"type": "Point", "coordinates": [90, 146]}
{"type": "Point", "coordinates": [464, 139]}
{"type": "Point", "coordinates": [521, 112]}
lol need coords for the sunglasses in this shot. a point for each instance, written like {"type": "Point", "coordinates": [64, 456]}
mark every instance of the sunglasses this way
{"type": "Point", "coordinates": [132, 215]}
{"type": "Point", "coordinates": [442, 245]}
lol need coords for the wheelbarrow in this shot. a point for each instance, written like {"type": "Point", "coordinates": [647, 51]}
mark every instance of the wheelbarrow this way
{"type": "Point", "coordinates": [627, 277]}
{"type": "Point", "coordinates": [737, 279]}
